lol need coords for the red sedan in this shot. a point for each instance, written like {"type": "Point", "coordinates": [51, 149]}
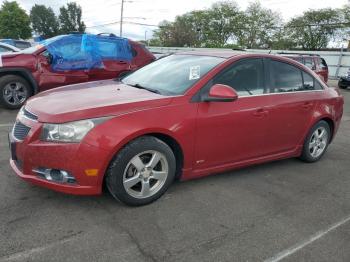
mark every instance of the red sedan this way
{"type": "Point", "coordinates": [184, 116]}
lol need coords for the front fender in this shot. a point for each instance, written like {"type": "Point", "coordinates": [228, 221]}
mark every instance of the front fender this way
{"type": "Point", "coordinates": [175, 121]}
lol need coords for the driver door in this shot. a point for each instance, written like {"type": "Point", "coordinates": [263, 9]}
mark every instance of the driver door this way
{"type": "Point", "coordinates": [232, 132]}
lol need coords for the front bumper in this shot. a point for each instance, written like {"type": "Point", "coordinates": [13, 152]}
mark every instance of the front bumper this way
{"type": "Point", "coordinates": [75, 158]}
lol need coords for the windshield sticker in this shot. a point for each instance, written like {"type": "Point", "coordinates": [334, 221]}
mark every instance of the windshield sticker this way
{"type": "Point", "coordinates": [195, 72]}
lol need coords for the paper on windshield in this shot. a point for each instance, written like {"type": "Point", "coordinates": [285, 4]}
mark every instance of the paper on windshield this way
{"type": "Point", "coordinates": [195, 72]}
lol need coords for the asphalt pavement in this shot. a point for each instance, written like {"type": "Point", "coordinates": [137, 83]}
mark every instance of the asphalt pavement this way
{"type": "Point", "coordinates": [281, 211]}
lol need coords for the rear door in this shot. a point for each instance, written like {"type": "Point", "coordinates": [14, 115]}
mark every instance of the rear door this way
{"type": "Point", "coordinates": [111, 52]}
{"type": "Point", "coordinates": [293, 99]}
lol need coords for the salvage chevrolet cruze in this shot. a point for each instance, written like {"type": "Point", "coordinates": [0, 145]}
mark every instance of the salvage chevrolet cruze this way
{"type": "Point", "coordinates": [184, 116]}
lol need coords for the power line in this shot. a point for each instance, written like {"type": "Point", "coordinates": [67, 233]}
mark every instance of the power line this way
{"type": "Point", "coordinates": [125, 22]}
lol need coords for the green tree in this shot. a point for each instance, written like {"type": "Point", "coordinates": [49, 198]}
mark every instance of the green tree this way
{"type": "Point", "coordinates": [346, 28]}
{"type": "Point", "coordinates": [44, 21]}
{"type": "Point", "coordinates": [70, 19]}
{"type": "Point", "coordinates": [258, 27]}
{"type": "Point", "coordinates": [205, 28]}
{"type": "Point", "coordinates": [14, 22]}
{"type": "Point", "coordinates": [314, 29]}
{"type": "Point", "coordinates": [220, 23]}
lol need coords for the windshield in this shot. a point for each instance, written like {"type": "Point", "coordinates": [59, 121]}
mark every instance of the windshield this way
{"type": "Point", "coordinates": [32, 49]}
{"type": "Point", "coordinates": [172, 75]}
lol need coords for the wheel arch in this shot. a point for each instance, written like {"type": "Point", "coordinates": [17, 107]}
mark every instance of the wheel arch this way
{"type": "Point", "coordinates": [26, 74]}
{"type": "Point", "coordinates": [164, 136]}
{"type": "Point", "coordinates": [331, 124]}
{"type": "Point", "coordinates": [328, 119]}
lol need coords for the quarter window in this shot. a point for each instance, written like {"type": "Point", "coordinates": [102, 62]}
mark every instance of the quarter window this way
{"type": "Point", "coordinates": [246, 77]}
{"type": "Point", "coordinates": [309, 82]}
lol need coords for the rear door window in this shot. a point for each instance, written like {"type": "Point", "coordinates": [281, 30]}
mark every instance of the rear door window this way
{"type": "Point", "coordinates": [285, 77]}
{"type": "Point", "coordinates": [308, 61]}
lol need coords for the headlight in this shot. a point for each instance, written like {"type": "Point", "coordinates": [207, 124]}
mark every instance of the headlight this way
{"type": "Point", "coordinates": [69, 132]}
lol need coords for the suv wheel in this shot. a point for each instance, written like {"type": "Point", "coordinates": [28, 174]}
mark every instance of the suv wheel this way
{"type": "Point", "coordinates": [316, 142]}
{"type": "Point", "coordinates": [14, 91]}
{"type": "Point", "coordinates": [342, 87]}
{"type": "Point", "coordinates": [141, 172]}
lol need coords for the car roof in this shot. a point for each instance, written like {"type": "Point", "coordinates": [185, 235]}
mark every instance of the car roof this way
{"type": "Point", "coordinates": [223, 54]}
{"type": "Point", "coordinates": [227, 54]}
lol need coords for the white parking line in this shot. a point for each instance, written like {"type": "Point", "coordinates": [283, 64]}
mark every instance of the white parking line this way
{"type": "Point", "coordinates": [287, 252]}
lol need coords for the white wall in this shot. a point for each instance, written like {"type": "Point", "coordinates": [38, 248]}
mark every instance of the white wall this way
{"type": "Point", "coordinates": [331, 57]}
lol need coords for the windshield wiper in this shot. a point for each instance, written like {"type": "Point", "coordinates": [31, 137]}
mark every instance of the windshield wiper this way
{"type": "Point", "coordinates": [145, 88]}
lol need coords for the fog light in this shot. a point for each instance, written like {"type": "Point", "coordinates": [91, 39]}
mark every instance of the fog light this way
{"type": "Point", "coordinates": [55, 175]}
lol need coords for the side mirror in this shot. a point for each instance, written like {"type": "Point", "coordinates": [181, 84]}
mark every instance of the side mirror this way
{"type": "Point", "coordinates": [221, 93]}
{"type": "Point", "coordinates": [49, 58]}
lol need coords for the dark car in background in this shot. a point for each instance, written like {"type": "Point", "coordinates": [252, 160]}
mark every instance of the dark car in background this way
{"type": "Point", "coordinates": [21, 44]}
{"type": "Point", "coordinates": [65, 60]}
{"type": "Point", "coordinates": [344, 81]}
{"type": "Point", "coordinates": [315, 62]}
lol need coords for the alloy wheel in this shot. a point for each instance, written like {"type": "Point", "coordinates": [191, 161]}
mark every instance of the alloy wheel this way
{"type": "Point", "coordinates": [318, 142]}
{"type": "Point", "coordinates": [145, 174]}
{"type": "Point", "coordinates": [15, 93]}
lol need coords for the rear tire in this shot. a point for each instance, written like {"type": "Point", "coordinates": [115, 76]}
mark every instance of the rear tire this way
{"type": "Point", "coordinates": [141, 172]}
{"type": "Point", "coordinates": [14, 91]}
{"type": "Point", "coordinates": [316, 142]}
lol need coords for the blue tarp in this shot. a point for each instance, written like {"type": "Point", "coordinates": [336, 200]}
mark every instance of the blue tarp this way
{"type": "Point", "coordinates": [86, 51]}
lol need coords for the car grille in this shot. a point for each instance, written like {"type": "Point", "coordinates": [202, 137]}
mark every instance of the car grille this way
{"type": "Point", "coordinates": [29, 115]}
{"type": "Point", "coordinates": [20, 131]}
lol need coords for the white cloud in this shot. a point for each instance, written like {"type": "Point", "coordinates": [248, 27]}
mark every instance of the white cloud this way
{"type": "Point", "coordinates": [154, 11]}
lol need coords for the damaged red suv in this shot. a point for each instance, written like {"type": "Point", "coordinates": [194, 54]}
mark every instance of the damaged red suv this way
{"type": "Point", "coordinates": [184, 116]}
{"type": "Point", "coordinates": [61, 61]}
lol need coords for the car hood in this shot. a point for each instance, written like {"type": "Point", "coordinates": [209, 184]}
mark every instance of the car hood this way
{"type": "Point", "coordinates": [92, 100]}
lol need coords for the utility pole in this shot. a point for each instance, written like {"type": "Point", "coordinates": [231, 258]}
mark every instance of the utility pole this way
{"type": "Point", "coordinates": [121, 19]}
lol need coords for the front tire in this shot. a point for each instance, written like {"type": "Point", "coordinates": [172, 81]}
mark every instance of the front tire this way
{"type": "Point", "coordinates": [316, 142]}
{"type": "Point", "coordinates": [141, 172]}
{"type": "Point", "coordinates": [14, 91]}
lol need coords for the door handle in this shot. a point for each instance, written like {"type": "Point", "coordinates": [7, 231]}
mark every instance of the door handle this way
{"type": "Point", "coordinates": [307, 105]}
{"type": "Point", "coordinates": [261, 112]}
{"type": "Point", "coordinates": [122, 62]}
